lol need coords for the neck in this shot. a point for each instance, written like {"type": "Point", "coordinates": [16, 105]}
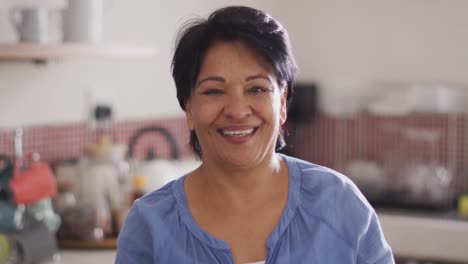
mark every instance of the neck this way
{"type": "Point", "coordinates": [238, 187]}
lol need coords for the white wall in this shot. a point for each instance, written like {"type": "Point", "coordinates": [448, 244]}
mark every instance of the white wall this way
{"type": "Point", "coordinates": [341, 44]}
{"type": "Point", "coordinates": [345, 44]}
{"type": "Point", "coordinates": [139, 88]}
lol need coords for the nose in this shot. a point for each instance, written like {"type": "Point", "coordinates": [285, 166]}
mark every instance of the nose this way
{"type": "Point", "coordinates": [237, 106]}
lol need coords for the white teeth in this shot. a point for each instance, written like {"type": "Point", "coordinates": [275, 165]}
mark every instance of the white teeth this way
{"type": "Point", "coordinates": [237, 133]}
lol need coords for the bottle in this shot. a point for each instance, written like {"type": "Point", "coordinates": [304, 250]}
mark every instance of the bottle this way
{"type": "Point", "coordinates": [139, 184]}
{"type": "Point", "coordinates": [9, 252]}
{"type": "Point", "coordinates": [463, 205]}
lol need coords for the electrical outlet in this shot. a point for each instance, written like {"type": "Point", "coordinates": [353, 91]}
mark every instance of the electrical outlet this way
{"type": "Point", "coordinates": [99, 107]}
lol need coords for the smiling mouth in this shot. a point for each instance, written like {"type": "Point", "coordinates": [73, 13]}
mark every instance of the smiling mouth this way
{"type": "Point", "coordinates": [238, 133]}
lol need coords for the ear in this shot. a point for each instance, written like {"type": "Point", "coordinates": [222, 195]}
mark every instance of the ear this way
{"type": "Point", "coordinates": [284, 107]}
{"type": "Point", "coordinates": [188, 116]}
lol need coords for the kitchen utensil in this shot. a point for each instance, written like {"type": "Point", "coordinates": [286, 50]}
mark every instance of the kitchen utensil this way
{"type": "Point", "coordinates": [100, 189]}
{"type": "Point", "coordinates": [80, 222]}
{"type": "Point", "coordinates": [105, 150]}
{"type": "Point", "coordinates": [67, 174]}
{"type": "Point", "coordinates": [65, 199]}
{"type": "Point", "coordinates": [33, 183]}
{"type": "Point", "coordinates": [100, 172]}
{"type": "Point", "coordinates": [19, 143]}
{"type": "Point", "coordinates": [158, 172]}
{"type": "Point", "coordinates": [368, 175]}
{"type": "Point", "coordinates": [11, 217]}
{"type": "Point", "coordinates": [428, 183]}
{"type": "Point", "coordinates": [31, 23]}
{"type": "Point", "coordinates": [32, 179]}
{"type": "Point", "coordinates": [6, 170]}
{"type": "Point", "coordinates": [42, 211]}
{"type": "Point", "coordinates": [6, 173]}
{"type": "Point", "coordinates": [36, 244]}
{"type": "Point", "coordinates": [99, 175]}
{"type": "Point", "coordinates": [82, 21]}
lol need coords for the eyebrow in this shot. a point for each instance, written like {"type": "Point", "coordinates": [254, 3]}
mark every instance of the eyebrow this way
{"type": "Point", "coordinates": [211, 78]}
{"type": "Point", "coordinates": [258, 76]}
{"type": "Point", "coordinates": [221, 79]}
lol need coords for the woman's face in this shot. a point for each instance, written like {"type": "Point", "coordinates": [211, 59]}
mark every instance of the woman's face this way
{"type": "Point", "coordinates": [236, 107]}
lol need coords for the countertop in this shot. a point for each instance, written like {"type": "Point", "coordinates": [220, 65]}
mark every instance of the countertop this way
{"type": "Point", "coordinates": [84, 256]}
{"type": "Point", "coordinates": [426, 236]}
{"type": "Point", "coordinates": [419, 236]}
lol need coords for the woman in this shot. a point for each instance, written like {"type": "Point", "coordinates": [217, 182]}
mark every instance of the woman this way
{"type": "Point", "coordinates": [234, 74]}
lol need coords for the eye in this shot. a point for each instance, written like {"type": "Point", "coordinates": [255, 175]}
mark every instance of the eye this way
{"type": "Point", "coordinates": [258, 89]}
{"type": "Point", "coordinates": [212, 91]}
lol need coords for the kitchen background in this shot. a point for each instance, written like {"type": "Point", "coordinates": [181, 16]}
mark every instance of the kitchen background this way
{"type": "Point", "coordinates": [390, 77]}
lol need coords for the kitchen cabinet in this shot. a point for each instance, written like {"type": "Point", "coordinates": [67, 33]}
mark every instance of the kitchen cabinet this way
{"type": "Point", "coordinates": [44, 52]}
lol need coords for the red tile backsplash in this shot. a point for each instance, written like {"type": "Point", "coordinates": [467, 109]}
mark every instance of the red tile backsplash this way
{"type": "Point", "coordinates": [333, 141]}
{"type": "Point", "coordinates": [65, 141]}
{"type": "Point", "coordinates": [327, 140]}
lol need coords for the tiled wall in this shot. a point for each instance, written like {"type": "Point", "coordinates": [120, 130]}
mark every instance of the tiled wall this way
{"type": "Point", "coordinates": [437, 139]}
{"type": "Point", "coordinates": [326, 140]}
{"type": "Point", "coordinates": [63, 142]}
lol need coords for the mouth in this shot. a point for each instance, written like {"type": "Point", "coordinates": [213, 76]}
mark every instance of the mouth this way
{"type": "Point", "coordinates": [238, 132]}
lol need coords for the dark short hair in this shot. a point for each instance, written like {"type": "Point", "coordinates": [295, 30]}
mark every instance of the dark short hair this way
{"type": "Point", "coordinates": [254, 28]}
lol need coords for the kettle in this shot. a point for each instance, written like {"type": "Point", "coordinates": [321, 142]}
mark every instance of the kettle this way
{"type": "Point", "coordinates": [157, 172]}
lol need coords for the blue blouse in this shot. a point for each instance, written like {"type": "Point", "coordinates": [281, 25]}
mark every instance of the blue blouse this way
{"type": "Point", "coordinates": [326, 220]}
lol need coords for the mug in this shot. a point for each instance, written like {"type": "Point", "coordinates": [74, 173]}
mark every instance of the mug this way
{"type": "Point", "coordinates": [11, 217]}
{"type": "Point", "coordinates": [82, 21]}
{"type": "Point", "coordinates": [31, 23]}
{"type": "Point", "coordinates": [43, 211]}
{"type": "Point", "coordinates": [33, 184]}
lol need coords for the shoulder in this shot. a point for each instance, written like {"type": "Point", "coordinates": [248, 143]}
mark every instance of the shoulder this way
{"type": "Point", "coordinates": [320, 181]}
{"type": "Point", "coordinates": [333, 199]}
{"type": "Point", "coordinates": [146, 218]}
{"type": "Point", "coordinates": [135, 243]}
{"type": "Point", "coordinates": [159, 202]}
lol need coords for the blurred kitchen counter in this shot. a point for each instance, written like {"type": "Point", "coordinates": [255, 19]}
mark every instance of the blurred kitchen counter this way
{"type": "Point", "coordinates": [69, 256]}
{"type": "Point", "coordinates": [414, 235]}
{"type": "Point", "coordinates": [426, 236]}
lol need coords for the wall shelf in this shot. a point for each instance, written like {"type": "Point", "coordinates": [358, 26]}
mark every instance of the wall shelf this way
{"type": "Point", "coordinates": [44, 52]}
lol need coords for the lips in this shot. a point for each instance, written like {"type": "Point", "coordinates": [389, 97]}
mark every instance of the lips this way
{"type": "Point", "coordinates": [238, 132]}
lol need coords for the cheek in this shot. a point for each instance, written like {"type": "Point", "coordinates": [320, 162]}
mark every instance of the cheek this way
{"type": "Point", "coordinates": [267, 109]}
{"type": "Point", "coordinates": [204, 113]}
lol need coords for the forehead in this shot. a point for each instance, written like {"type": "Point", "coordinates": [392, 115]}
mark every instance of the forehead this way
{"type": "Point", "coordinates": [226, 56]}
